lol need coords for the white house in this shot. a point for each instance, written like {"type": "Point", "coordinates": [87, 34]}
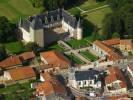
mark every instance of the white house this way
{"type": "Point", "coordinates": [85, 79]}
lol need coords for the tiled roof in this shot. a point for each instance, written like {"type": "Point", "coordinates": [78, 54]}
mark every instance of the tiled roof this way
{"type": "Point", "coordinates": [121, 97]}
{"type": "Point", "coordinates": [50, 85]}
{"type": "Point", "coordinates": [39, 21]}
{"type": "Point", "coordinates": [110, 42]}
{"type": "Point", "coordinates": [21, 73]}
{"type": "Point", "coordinates": [102, 46]}
{"type": "Point", "coordinates": [86, 75]}
{"type": "Point", "coordinates": [112, 55]}
{"type": "Point", "coordinates": [56, 59]}
{"type": "Point", "coordinates": [114, 75]}
{"type": "Point", "coordinates": [10, 61]}
{"type": "Point", "coordinates": [27, 55]}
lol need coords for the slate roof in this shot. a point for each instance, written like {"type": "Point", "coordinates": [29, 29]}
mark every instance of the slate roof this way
{"type": "Point", "coordinates": [86, 75]}
{"type": "Point", "coordinates": [38, 21]}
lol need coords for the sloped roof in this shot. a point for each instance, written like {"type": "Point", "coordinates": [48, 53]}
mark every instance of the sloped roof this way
{"type": "Point", "coordinates": [110, 42]}
{"type": "Point", "coordinates": [86, 75]}
{"type": "Point", "coordinates": [10, 61]}
{"type": "Point", "coordinates": [114, 75]}
{"type": "Point", "coordinates": [21, 73]}
{"type": "Point", "coordinates": [102, 46]}
{"type": "Point", "coordinates": [56, 59]}
{"type": "Point", "coordinates": [27, 55]}
{"type": "Point", "coordinates": [50, 85]}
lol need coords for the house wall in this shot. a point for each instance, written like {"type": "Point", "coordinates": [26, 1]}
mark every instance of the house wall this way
{"type": "Point", "coordinates": [67, 28]}
{"type": "Point", "coordinates": [25, 35]}
{"type": "Point", "coordinates": [99, 50]}
{"type": "Point", "coordinates": [126, 48]}
{"type": "Point", "coordinates": [121, 90]}
{"type": "Point", "coordinates": [130, 71]}
{"type": "Point", "coordinates": [43, 60]}
{"type": "Point", "coordinates": [7, 75]}
{"type": "Point", "coordinates": [88, 83]}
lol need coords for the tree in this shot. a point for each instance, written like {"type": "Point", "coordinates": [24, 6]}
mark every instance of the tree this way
{"type": "Point", "coordinates": [37, 3]}
{"type": "Point", "coordinates": [2, 52]}
{"type": "Point", "coordinates": [7, 30]}
{"type": "Point", "coordinates": [116, 35]}
{"type": "Point", "coordinates": [31, 46]}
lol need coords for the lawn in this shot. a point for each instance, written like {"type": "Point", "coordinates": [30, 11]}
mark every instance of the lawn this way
{"type": "Point", "coordinates": [88, 55]}
{"type": "Point", "coordinates": [14, 47]}
{"type": "Point", "coordinates": [14, 9]}
{"type": "Point", "coordinates": [91, 4]}
{"type": "Point", "coordinates": [55, 47]}
{"type": "Point", "coordinates": [77, 43]}
{"type": "Point", "coordinates": [17, 91]}
{"type": "Point", "coordinates": [96, 17]}
{"type": "Point", "coordinates": [75, 59]}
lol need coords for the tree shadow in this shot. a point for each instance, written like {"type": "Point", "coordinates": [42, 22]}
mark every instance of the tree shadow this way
{"type": "Point", "coordinates": [88, 28]}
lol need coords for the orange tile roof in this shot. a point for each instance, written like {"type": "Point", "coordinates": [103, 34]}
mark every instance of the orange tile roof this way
{"type": "Point", "coordinates": [102, 46]}
{"type": "Point", "coordinates": [114, 75]}
{"type": "Point", "coordinates": [10, 61]}
{"type": "Point", "coordinates": [80, 98]}
{"type": "Point", "coordinates": [56, 59]}
{"type": "Point", "coordinates": [27, 55]}
{"type": "Point", "coordinates": [51, 85]}
{"type": "Point", "coordinates": [110, 42]}
{"type": "Point", "coordinates": [126, 42]}
{"type": "Point", "coordinates": [21, 73]}
{"type": "Point", "coordinates": [121, 97]}
{"type": "Point", "coordinates": [45, 87]}
{"type": "Point", "coordinates": [112, 55]}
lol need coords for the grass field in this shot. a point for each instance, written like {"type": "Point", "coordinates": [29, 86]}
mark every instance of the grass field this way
{"type": "Point", "coordinates": [55, 47]}
{"type": "Point", "coordinates": [77, 43]}
{"type": "Point", "coordinates": [17, 91]}
{"type": "Point", "coordinates": [91, 4]}
{"type": "Point", "coordinates": [14, 9]}
{"type": "Point", "coordinates": [14, 47]}
{"type": "Point", "coordinates": [96, 17]}
{"type": "Point", "coordinates": [88, 55]}
{"type": "Point", "coordinates": [75, 59]}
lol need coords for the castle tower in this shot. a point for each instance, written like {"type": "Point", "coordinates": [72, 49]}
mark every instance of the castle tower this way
{"type": "Point", "coordinates": [36, 31]}
{"type": "Point", "coordinates": [79, 33]}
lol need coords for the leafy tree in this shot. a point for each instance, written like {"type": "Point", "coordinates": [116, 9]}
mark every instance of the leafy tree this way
{"type": "Point", "coordinates": [37, 3]}
{"type": "Point", "coordinates": [2, 52]}
{"type": "Point", "coordinates": [116, 35]}
{"type": "Point", "coordinates": [31, 46]}
{"type": "Point", "coordinates": [7, 30]}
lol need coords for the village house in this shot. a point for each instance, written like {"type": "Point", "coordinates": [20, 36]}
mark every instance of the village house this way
{"type": "Point", "coordinates": [85, 79]}
{"type": "Point", "coordinates": [114, 42]}
{"type": "Point", "coordinates": [53, 60]}
{"type": "Point", "coordinates": [107, 52]}
{"type": "Point", "coordinates": [115, 81]}
{"type": "Point", "coordinates": [50, 88]}
{"type": "Point", "coordinates": [126, 45]}
{"type": "Point", "coordinates": [27, 56]}
{"type": "Point", "coordinates": [19, 75]}
{"type": "Point", "coordinates": [11, 62]}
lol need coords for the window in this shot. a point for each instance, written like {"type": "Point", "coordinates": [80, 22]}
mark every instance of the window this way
{"type": "Point", "coordinates": [84, 82]}
{"type": "Point", "coordinates": [79, 83]}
